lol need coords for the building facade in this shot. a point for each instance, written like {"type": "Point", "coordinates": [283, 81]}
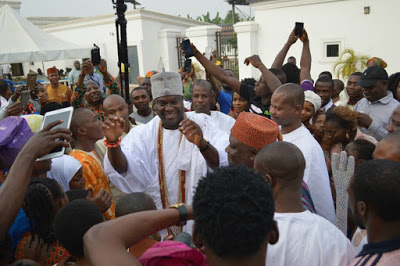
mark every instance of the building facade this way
{"type": "Point", "coordinates": [333, 26]}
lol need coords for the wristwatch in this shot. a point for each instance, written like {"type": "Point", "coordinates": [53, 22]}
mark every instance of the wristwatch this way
{"type": "Point", "coordinates": [181, 207]}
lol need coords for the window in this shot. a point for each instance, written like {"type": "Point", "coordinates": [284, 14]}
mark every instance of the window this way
{"type": "Point", "coordinates": [332, 50]}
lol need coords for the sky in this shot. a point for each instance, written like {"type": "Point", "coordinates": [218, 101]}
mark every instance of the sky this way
{"type": "Point", "coordinates": [87, 8]}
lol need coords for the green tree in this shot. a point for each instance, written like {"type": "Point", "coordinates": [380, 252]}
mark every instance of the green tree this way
{"type": "Point", "coordinates": [229, 19]}
{"type": "Point", "coordinates": [350, 62]}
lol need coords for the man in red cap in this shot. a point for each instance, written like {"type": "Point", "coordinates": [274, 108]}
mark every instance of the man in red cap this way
{"type": "Point", "coordinates": [249, 135]}
{"type": "Point", "coordinates": [57, 92]}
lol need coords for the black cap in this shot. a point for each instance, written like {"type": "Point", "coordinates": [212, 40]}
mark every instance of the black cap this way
{"type": "Point", "coordinates": [371, 75]}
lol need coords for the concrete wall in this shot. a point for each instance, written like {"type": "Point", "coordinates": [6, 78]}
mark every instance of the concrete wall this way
{"type": "Point", "coordinates": [143, 31]}
{"type": "Point", "coordinates": [343, 21]}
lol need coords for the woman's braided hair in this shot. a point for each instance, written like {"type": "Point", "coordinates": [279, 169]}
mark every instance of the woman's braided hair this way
{"type": "Point", "coordinates": [40, 209]}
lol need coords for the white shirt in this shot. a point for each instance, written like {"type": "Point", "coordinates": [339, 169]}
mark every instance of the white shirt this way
{"type": "Point", "coordinates": [306, 239]}
{"type": "Point", "coordinates": [327, 106]}
{"type": "Point", "coordinates": [223, 121]}
{"type": "Point", "coordinates": [6, 68]}
{"type": "Point", "coordinates": [140, 149]}
{"type": "Point", "coordinates": [316, 173]}
{"type": "Point", "coordinates": [359, 239]}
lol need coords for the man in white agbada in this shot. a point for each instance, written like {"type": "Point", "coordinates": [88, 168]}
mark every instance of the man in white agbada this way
{"type": "Point", "coordinates": [166, 157]}
{"type": "Point", "coordinates": [286, 106]}
{"type": "Point", "coordinates": [202, 97]}
{"type": "Point", "coordinates": [304, 238]}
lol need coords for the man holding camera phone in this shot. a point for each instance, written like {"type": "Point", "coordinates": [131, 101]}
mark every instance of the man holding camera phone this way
{"type": "Point", "coordinates": [259, 97]}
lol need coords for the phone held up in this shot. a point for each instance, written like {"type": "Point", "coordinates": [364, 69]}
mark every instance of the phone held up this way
{"type": "Point", "coordinates": [95, 55]}
{"type": "Point", "coordinates": [299, 29]}
{"type": "Point", "coordinates": [187, 49]}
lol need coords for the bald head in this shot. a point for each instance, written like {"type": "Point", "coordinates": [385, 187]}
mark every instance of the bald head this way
{"type": "Point", "coordinates": [283, 161]}
{"type": "Point", "coordinates": [293, 94]}
{"type": "Point", "coordinates": [389, 148]}
{"type": "Point", "coordinates": [115, 105]}
{"type": "Point", "coordinates": [113, 99]}
{"type": "Point", "coordinates": [79, 118]}
{"type": "Point", "coordinates": [134, 202]}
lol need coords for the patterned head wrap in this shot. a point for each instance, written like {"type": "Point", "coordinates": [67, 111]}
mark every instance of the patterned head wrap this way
{"type": "Point", "coordinates": [378, 61]}
{"type": "Point", "coordinates": [254, 130]}
{"type": "Point", "coordinates": [151, 73]}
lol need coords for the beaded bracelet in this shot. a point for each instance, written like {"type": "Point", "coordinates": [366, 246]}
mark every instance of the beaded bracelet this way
{"type": "Point", "coordinates": [112, 145]}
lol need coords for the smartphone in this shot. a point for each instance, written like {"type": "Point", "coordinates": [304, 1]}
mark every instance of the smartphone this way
{"type": "Point", "coordinates": [95, 55]}
{"type": "Point", "coordinates": [299, 29]}
{"type": "Point", "coordinates": [187, 49]}
{"type": "Point", "coordinates": [25, 96]}
{"type": "Point", "coordinates": [65, 115]}
{"type": "Point", "coordinates": [31, 81]}
{"type": "Point", "coordinates": [188, 66]}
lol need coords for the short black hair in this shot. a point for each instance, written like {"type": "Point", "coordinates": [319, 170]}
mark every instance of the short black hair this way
{"type": "Point", "coordinates": [327, 80]}
{"type": "Point", "coordinates": [3, 87]}
{"type": "Point", "coordinates": [134, 202]}
{"type": "Point", "coordinates": [279, 74]}
{"type": "Point", "coordinates": [249, 81]}
{"type": "Point", "coordinates": [294, 94]}
{"type": "Point", "coordinates": [359, 74]}
{"type": "Point", "coordinates": [233, 211]}
{"type": "Point", "coordinates": [73, 221]}
{"type": "Point", "coordinates": [204, 84]}
{"type": "Point", "coordinates": [340, 84]}
{"type": "Point", "coordinates": [40, 209]}
{"type": "Point", "coordinates": [325, 73]}
{"type": "Point", "coordinates": [365, 149]}
{"type": "Point", "coordinates": [50, 106]}
{"type": "Point", "coordinates": [392, 83]}
{"type": "Point", "coordinates": [292, 57]}
{"type": "Point", "coordinates": [140, 88]}
{"type": "Point", "coordinates": [75, 194]}
{"type": "Point", "coordinates": [292, 73]}
{"type": "Point", "coordinates": [377, 183]}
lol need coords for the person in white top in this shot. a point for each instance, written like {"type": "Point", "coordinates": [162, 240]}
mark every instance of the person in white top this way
{"type": "Point", "coordinates": [166, 157]}
{"type": "Point", "coordinates": [202, 98]}
{"type": "Point", "coordinates": [304, 238]}
{"type": "Point", "coordinates": [286, 106]}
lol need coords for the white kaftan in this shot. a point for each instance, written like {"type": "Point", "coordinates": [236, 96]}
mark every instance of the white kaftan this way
{"type": "Point", "coordinates": [308, 239]}
{"type": "Point", "coordinates": [140, 149]}
{"type": "Point", "coordinates": [316, 174]}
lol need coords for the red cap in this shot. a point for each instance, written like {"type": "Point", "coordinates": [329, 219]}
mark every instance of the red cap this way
{"type": "Point", "coordinates": [254, 130]}
{"type": "Point", "coordinates": [52, 70]}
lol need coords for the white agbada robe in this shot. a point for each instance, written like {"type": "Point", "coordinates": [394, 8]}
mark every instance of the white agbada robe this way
{"type": "Point", "coordinates": [308, 239]}
{"type": "Point", "coordinates": [223, 121]}
{"type": "Point", "coordinates": [140, 149]}
{"type": "Point", "coordinates": [316, 173]}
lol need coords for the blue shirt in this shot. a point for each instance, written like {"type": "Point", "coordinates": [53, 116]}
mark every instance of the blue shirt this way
{"type": "Point", "coordinates": [225, 101]}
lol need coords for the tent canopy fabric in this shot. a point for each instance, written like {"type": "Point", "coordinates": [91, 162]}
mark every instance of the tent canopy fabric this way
{"type": "Point", "coordinates": [24, 42]}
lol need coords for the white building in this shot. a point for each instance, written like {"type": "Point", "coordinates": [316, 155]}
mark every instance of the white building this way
{"type": "Point", "coordinates": [152, 40]}
{"type": "Point", "coordinates": [367, 26]}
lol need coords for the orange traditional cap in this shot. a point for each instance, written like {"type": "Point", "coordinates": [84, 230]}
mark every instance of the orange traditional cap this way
{"type": "Point", "coordinates": [52, 70]}
{"type": "Point", "coordinates": [254, 130]}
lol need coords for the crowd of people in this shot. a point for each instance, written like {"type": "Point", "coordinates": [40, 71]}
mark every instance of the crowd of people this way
{"type": "Point", "coordinates": [216, 171]}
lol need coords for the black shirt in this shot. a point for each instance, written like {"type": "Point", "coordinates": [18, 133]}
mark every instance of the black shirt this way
{"type": "Point", "coordinates": [255, 105]}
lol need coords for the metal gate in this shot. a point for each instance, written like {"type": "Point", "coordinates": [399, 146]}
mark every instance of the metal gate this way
{"type": "Point", "coordinates": [181, 58]}
{"type": "Point", "coordinates": [227, 49]}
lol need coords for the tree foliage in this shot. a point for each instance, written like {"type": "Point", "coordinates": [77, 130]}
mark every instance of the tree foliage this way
{"type": "Point", "coordinates": [350, 62]}
{"type": "Point", "coordinates": [219, 20]}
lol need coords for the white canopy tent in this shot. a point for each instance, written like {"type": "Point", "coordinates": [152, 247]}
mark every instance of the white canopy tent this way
{"type": "Point", "coordinates": [24, 42]}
